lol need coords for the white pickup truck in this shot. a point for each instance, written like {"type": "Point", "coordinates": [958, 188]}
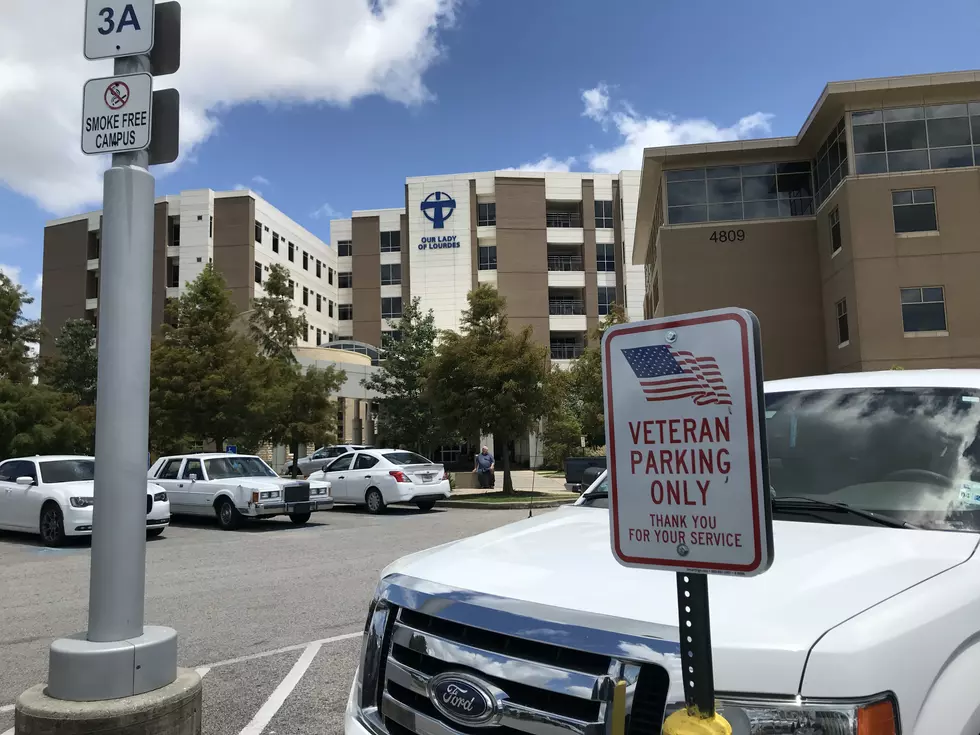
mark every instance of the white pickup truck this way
{"type": "Point", "coordinates": [867, 623]}
{"type": "Point", "coordinates": [235, 487]}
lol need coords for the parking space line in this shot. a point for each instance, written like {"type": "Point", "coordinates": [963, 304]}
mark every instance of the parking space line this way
{"type": "Point", "coordinates": [7, 708]}
{"type": "Point", "coordinates": [9, 732]}
{"type": "Point", "coordinates": [284, 649]}
{"type": "Point", "coordinates": [272, 705]}
{"type": "Point", "coordinates": [202, 671]}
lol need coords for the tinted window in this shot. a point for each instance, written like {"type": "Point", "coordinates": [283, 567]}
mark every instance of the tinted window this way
{"type": "Point", "coordinates": [67, 470]}
{"type": "Point", "coordinates": [341, 463]}
{"type": "Point", "coordinates": [403, 458]}
{"type": "Point", "coordinates": [6, 471]}
{"type": "Point", "coordinates": [365, 461]}
{"type": "Point", "coordinates": [19, 468]}
{"type": "Point", "coordinates": [233, 466]}
{"type": "Point", "coordinates": [193, 467]}
{"type": "Point", "coordinates": [170, 469]}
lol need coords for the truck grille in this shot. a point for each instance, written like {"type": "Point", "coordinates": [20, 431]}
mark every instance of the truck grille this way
{"type": "Point", "coordinates": [550, 689]}
{"type": "Point", "coordinates": [299, 493]}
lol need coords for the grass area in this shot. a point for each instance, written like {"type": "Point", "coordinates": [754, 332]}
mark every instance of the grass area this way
{"type": "Point", "coordinates": [520, 496]}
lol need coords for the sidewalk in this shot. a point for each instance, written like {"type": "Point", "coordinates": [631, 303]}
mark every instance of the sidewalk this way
{"type": "Point", "coordinates": [524, 481]}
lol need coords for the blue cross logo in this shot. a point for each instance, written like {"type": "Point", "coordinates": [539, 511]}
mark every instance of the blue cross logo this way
{"type": "Point", "coordinates": [437, 208]}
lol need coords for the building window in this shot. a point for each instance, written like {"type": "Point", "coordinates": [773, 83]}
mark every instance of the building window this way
{"type": "Point", "coordinates": [487, 258]}
{"type": "Point", "coordinates": [603, 214]}
{"type": "Point", "coordinates": [292, 253]}
{"type": "Point", "coordinates": [306, 261]}
{"type": "Point", "coordinates": [258, 272]}
{"type": "Point", "coordinates": [330, 311]}
{"type": "Point", "coordinates": [924, 309]}
{"type": "Point", "coordinates": [830, 166]}
{"type": "Point", "coordinates": [391, 308]}
{"type": "Point", "coordinates": [258, 232]}
{"type": "Point", "coordinates": [173, 273]}
{"type": "Point", "coordinates": [916, 138]}
{"type": "Point", "coordinates": [275, 242]}
{"type": "Point", "coordinates": [345, 312]}
{"type": "Point", "coordinates": [391, 274]}
{"type": "Point", "coordinates": [843, 335]}
{"type": "Point", "coordinates": [605, 255]}
{"type": "Point", "coordinates": [344, 279]}
{"type": "Point", "coordinates": [607, 297]}
{"type": "Point", "coordinates": [487, 214]}
{"type": "Point", "coordinates": [914, 210]}
{"type": "Point", "coordinates": [391, 241]}
{"type": "Point", "coordinates": [330, 276]}
{"type": "Point", "coordinates": [175, 231]}
{"type": "Point", "coordinates": [306, 296]}
{"type": "Point", "coordinates": [835, 241]}
{"type": "Point", "coordinates": [319, 302]}
{"type": "Point", "coordinates": [211, 227]}
{"type": "Point", "coordinates": [756, 191]}
{"type": "Point", "coordinates": [292, 288]}
{"type": "Point", "coordinates": [319, 337]}
{"type": "Point", "coordinates": [319, 269]}
{"type": "Point", "coordinates": [344, 248]}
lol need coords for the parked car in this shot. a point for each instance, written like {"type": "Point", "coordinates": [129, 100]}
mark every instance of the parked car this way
{"type": "Point", "coordinates": [376, 478]}
{"type": "Point", "coordinates": [321, 458]}
{"type": "Point", "coordinates": [234, 487]}
{"type": "Point", "coordinates": [868, 620]}
{"type": "Point", "coordinates": [53, 496]}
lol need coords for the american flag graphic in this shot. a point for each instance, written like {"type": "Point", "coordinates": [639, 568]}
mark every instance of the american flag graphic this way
{"type": "Point", "coordinates": [667, 374]}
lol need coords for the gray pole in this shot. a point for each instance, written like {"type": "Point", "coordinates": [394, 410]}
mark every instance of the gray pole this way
{"type": "Point", "coordinates": [119, 656]}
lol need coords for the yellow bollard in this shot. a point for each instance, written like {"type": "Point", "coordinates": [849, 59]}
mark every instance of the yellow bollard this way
{"type": "Point", "coordinates": [683, 723]}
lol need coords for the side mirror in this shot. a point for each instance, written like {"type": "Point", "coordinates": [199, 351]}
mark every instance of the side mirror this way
{"type": "Point", "coordinates": [192, 477]}
{"type": "Point", "coordinates": [25, 480]}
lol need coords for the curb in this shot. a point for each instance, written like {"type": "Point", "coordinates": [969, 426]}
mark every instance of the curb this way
{"type": "Point", "coordinates": [516, 505]}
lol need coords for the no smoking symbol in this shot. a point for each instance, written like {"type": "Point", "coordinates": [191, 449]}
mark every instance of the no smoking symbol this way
{"type": "Point", "coordinates": [116, 95]}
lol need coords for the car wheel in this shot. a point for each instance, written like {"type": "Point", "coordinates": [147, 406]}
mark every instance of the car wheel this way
{"type": "Point", "coordinates": [154, 532]}
{"type": "Point", "coordinates": [375, 501]}
{"type": "Point", "coordinates": [228, 516]}
{"type": "Point", "coordinates": [52, 524]}
{"type": "Point", "coordinates": [426, 504]}
{"type": "Point", "coordinates": [299, 518]}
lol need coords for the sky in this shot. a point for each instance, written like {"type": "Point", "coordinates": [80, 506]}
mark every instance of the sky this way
{"type": "Point", "coordinates": [326, 106]}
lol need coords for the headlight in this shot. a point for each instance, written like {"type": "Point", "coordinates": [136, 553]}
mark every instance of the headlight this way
{"type": "Point", "coordinates": [81, 502]}
{"type": "Point", "coordinates": [269, 494]}
{"type": "Point", "coordinates": [160, 498]}
{"type": "Point", "coordinates": [874, 716]}
{"type": "Point", "coordinates": [319, 491]}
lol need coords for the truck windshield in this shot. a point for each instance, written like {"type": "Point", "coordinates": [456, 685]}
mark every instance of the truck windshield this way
{"type": "Point", "coordinates": [226, 467]}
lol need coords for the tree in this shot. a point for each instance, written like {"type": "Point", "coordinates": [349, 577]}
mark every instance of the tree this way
{"type": "Point", "coordinates": [298, 403]}
{"type": "Point", "coordinates": [19, 336]}
{"type": "Point", "coordinates": [405, 414]}
{"type": "Point", "coordinates": [562, 426]}
{"type": "Point", "coordinates": [489, 379]}
{"type": "Point", "coordinates": [206, 379]}
{"type": "Point", "coordinates": [74, 370]}
{"type": "Point", "coordinates": [586, 381]}
{"type": "Point", "coordinates": [273, 325]}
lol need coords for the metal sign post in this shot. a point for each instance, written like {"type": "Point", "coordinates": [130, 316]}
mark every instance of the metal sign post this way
{"type": "Point", "coordinates": [118, 659]}
{"type": "Point", "coordinates": [685, 436]}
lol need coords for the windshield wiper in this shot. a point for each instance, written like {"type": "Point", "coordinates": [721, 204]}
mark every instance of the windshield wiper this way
{"type": "Point", "coordinates": [883, 520]}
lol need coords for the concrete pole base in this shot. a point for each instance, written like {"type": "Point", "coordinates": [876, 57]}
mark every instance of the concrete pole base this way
{"type": "Point", "coordinates": [172, 710]}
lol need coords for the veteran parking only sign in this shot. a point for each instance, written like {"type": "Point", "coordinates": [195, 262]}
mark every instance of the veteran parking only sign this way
{"type": "Point", "coordinates": [685, 436]}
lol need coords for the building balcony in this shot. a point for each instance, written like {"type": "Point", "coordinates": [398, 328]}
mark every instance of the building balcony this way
{"type": "Point", "coordinates": [566, 307]}
{"type": "Point", "coordinates": [562, 351]}
{"type": "Point", "coordinates": [563, 219]}
{"type": "Point", "coordinates": [565, 263]}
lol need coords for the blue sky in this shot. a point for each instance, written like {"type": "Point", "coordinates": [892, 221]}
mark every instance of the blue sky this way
{"type": "Point", "coordinates": [479, 85]}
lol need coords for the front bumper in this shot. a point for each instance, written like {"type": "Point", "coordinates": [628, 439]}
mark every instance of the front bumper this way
{"type": "Point", "coordinates": [78, 521]}
{"type": "Point", "coordinates": [277, 508]}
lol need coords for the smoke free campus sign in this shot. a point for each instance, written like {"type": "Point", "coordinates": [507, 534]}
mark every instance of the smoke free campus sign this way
{"type": "Point", "coordinates": [685, 434]}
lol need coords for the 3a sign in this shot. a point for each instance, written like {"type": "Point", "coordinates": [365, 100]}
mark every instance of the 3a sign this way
{"type": "Point", "coordinates": [685, 435]}
{"type": "Point", "coordinates": [116, 114]}
{"type": "Point", "coordinates": [118, 28]}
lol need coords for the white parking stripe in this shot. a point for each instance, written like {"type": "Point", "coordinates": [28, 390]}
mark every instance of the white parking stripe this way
{"type": "Point", "coordinates": [7, 708]}
{"type": "Point", "coordinates": [9, 732]}
{"type": "Point", "coordinates": [202, 671]}
{"type": "Point", "coordinates": [268, 710]}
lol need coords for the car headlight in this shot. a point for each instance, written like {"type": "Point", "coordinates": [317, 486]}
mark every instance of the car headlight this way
{"type": "Point", "coordinates": [319, 491]}
{"type": "Point", "coordinates": [269, 494]}
{"type": "Point", "coordinates": [873, 716]}
{"type": "Point", "coordinates": [81, 502]}
{"type": "Point", "coordinates": [160, 498]}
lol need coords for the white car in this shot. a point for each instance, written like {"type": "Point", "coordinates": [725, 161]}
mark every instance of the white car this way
{"type": "Point", "coordinates": [321, 458]}
{"type": "Point", "coordinates": [234, 487]}
{"type": "Point", "coordinates": [54, 495]}
{"type": "Point", "coordinates": [376, 478]}
{"type": "Point", "coordinates": [868, 621]}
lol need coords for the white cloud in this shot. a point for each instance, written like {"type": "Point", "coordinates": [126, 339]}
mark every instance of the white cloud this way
{"type": "Point", "coordinates": [38, 283]}
{"type": "Point", "coordinates": [14, 273]}
{"type": "Point", "coordinates": [11, 271]}
{"type": "Point", "coordinates": [547, 163]}
{"type": "Point", "coordinates": [260, 180]}
{"type": "Point", "coordinates": [233, 51]}
{"type": "Point", "coordinates": [596, 102]}
{"type": "Point", "coordinates": [325, 211]}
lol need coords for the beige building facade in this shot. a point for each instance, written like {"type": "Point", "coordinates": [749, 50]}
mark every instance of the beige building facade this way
{"type": "Point", "coordinates": [855, 242]}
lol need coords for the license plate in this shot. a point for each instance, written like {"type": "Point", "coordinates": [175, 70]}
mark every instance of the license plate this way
{"type": "Point", "coordinates": [427, 478]}
{"type": "Point", "coordinates": [301, 508]}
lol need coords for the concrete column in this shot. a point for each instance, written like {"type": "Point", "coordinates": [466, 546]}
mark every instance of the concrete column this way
{"type": "Point", "coordinates": [368, 423]}
{"type": "Point", "coordinates": [358, 423]}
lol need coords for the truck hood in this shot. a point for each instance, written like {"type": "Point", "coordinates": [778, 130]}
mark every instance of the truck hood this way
{"type": "Point", "coordinates": [762, 627]}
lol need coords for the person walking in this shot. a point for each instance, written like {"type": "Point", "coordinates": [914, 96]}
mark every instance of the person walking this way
{"type": "Point", "coordinates": [484, 468]}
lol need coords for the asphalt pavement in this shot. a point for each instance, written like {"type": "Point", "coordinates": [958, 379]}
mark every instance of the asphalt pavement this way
{"type": "Point", "coordinates": [271, 615]}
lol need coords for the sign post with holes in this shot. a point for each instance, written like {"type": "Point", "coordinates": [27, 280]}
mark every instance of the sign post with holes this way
{"type": "Point", "coordinates": [119, 674]}
{"type": "Point", "coordinates": [688, 476]}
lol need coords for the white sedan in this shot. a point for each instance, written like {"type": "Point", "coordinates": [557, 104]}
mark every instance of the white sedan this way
{"type": "Point", "coordinates": [377, 478]}
{"type": "Point", "coordinates": [54, 495]}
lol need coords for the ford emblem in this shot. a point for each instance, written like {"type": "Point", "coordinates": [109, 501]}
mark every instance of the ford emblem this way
{"type": "Point", "coordinates": [464, 698]}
